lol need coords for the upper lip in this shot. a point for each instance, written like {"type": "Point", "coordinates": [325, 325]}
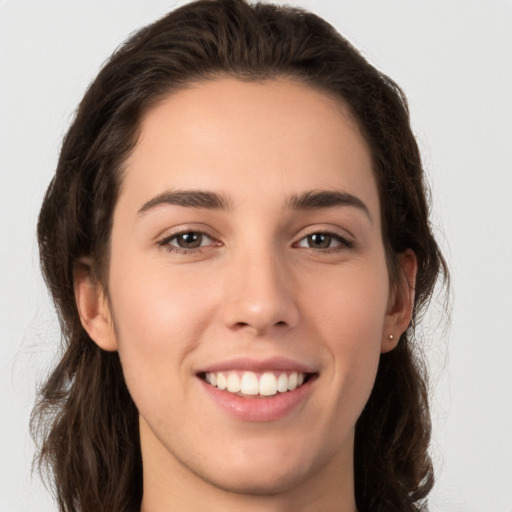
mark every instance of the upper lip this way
{"type": "Point", "coordinates": [258, 365]}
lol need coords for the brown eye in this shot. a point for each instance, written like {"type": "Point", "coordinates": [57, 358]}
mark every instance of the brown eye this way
{"type": "Point", "coordinates": [187, 241]}
{"type": "Point", "coordinates": [190, 240]}
{"type": "Point", "coordinates": [324, 241]}
{"type": "Point", "coordinates": [319, 241]}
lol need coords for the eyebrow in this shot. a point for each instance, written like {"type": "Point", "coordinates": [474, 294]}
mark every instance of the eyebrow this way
{"type": "Point", "coordinates": [190, 198]}
{"type": "Point", "coordinates": [318, 199]}
{"type": "Point", "coordinates": [311, 200]}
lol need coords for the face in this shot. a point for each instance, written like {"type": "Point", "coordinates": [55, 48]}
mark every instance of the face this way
{"type": "Point", "coordinates": [248, 285]}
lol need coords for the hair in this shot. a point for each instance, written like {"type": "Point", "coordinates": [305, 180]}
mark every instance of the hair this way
{"type": "Point", "coordinates": [85, 419]}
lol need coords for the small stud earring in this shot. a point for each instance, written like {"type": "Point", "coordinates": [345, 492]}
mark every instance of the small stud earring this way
{"type": "Point", "coordinates": [391, 337]}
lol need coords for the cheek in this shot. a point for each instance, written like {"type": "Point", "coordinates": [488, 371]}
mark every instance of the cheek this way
{"type": "Point", "coordinates": [350, 303]}
{"type": "Point", "coordinates": [348, 313]}
{"type": "Point", "coordinates": [155, 302]}
{"type": "Point", "coordinates": [158, 319]}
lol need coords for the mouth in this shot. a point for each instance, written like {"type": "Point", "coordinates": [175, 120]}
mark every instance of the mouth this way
{"type": "Point", "coordinates": [259, 390]}
{"type": "Point", "coordinates": [251, 384]}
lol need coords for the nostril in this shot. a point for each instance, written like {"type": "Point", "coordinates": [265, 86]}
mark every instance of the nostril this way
{"type": "Point", "coordinates": [243, 325]}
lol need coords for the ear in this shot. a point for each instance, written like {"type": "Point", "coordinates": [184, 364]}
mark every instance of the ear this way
{"type": "Point", "coordinates": [401, 301]}
{"type": "Point", "coordinates": [93, 306]}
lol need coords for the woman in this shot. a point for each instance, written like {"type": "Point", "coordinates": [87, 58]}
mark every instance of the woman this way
{"type": "Point", "coordinates": [237, 242]}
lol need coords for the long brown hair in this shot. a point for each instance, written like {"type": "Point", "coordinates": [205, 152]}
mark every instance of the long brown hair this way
{"type": "Point", "coordinates": [85, 419]}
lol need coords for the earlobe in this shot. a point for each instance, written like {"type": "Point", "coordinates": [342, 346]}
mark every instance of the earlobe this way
{"type": "Point", "coordinates": [93, 307]}
{"type": "Point", "coordinates": [401, 302]}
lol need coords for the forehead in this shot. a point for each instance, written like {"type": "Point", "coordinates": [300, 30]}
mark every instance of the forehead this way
{"type": "Point", "coordinates": [249, 140]}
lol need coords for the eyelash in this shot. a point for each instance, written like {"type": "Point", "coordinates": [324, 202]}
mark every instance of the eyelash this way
{"type": "Point", "coordinates": [166, 242]}
{"type": "Point", "coordinates": [344, 243]}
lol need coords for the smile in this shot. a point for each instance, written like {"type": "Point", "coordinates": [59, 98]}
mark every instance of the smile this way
{"type": "Point", "coordinates": [256, 384]}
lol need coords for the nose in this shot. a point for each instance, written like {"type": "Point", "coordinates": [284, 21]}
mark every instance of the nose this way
{"type": "Point", "coordinates": [260, 294]}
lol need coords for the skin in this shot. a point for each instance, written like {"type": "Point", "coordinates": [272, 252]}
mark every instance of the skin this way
{"type": "Point", "coordinates": [255, 288]}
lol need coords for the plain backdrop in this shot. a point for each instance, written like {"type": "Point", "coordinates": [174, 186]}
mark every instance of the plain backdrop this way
{"type": "Point", "coordinates": [454, 61]}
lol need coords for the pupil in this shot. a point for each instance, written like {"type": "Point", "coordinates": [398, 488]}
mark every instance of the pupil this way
{"type": "Point", "coordinates": [319, 240]}
{"type": "Point", "coordinates": [190, 240]}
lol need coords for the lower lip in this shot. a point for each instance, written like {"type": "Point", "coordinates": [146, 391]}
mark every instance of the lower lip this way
{"type": "Point", "coordinates": [270, 408]}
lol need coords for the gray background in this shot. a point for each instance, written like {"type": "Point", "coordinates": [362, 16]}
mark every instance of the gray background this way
{"type": "Point", "coordinates": [453, 59]}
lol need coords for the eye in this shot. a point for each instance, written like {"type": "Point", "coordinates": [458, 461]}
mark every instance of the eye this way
{"type": "Point", "coordinates": [187, 240]}
{"type": "Point", "coordinates": [324, 241]}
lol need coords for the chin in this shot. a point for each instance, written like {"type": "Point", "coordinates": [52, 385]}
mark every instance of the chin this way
{"type": "Point", "coordinates": [263, 466]}
{"type": "Point", "coordinates": [260, 482]}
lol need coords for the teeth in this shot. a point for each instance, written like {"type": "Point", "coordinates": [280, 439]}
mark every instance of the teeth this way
{"type": "Point", "coordinates": [292, 381]}
{"type": "Point", "coordinates": [282, 383]}
{"type": "Point", "coordinates": [233, 383]}
{"type": "Point", "coordinates": [268, 384]}
{"type": "Point", "coordinates": [250, 383]}
{"type": "Point", "coordinates": [221, 381]}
